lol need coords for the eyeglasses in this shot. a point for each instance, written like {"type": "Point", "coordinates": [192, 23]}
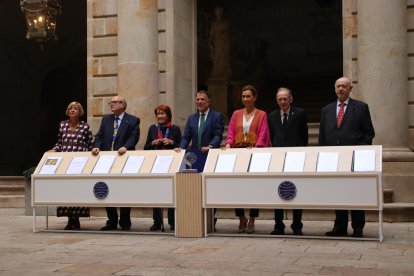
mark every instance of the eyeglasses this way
{"type": "Point", "coordinates": [114, 102]}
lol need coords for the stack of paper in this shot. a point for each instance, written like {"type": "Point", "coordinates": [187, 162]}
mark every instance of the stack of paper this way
{"type": "Point", "coordinates": [225, 163]}
{"type": "Point", "coordinates": [259, 162]}
{"type": "Point", "coordinates": [327, 162]}
{"type": "Point", "coordinates": [50, 165]}
{"type": "Point", "coordinates": [294, 162]}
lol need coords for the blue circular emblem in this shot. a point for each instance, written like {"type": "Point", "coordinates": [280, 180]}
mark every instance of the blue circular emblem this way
{"type": "Point", "coordinates": [287, 190]}
{"type": "Point", "coordinates": [100, 190]}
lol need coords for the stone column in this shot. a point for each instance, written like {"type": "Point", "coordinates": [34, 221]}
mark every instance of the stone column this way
{"type": "Point", "coordinates": [138, 59]}
{"type": "Point", "coordinates": [382, 70]}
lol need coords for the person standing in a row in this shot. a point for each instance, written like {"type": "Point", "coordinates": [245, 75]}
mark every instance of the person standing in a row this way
{"type": "Point", "coordinates": [288, 128]}
{"type": "Point", "coordinates": [346, 122]}
{"type": "Point", "coordinates": [162, 136]}
{"type": "Point", "coordinates": [73, 135]}
{"type": "Point", "coordinates": [204, 129]}
{"type": "Point", "coordinates": [247, 129]}
{"type": "Point", "coordinates": [118, 132]}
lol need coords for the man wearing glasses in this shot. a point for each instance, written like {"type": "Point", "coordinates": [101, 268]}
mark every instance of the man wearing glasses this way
{"type": "Point", "coordinates": [118, 132]}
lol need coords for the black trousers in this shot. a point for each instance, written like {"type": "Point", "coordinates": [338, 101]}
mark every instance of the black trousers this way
{"type": "Point", "coordinates": [297, 219]}
{"type": "Point", "coordinates": [124, 216]}
{"type": "Point", "coordinates": [357, 217]}
{"type": "Point", "coordinates": [253, 212]}
{"type": "Point", "coordinates": [157, 216]}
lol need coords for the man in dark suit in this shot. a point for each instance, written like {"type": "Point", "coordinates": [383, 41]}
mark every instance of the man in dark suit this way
{"type": "Point", "coordinates": [288, 128]}
{"type": "Point", "coordinates": [204, 129]}
{"type": "Point", "coordinates": [118, 132]}
{"type": "Point", "coordinates": [346, 122]}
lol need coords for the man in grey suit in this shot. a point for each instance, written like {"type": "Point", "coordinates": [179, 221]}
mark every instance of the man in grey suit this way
{"type": "Point", "coordinates": [118, 132]}
{"type": "Point", "coordinates": [288, 128]}
{"type": "Point", "coordinates": [346, 122]}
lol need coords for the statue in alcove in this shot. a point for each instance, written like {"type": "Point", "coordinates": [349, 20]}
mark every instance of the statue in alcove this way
{"type": "Point", "coordinates": [219, 45]}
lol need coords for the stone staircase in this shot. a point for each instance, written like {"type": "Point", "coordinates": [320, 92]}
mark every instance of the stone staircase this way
{"type": "Point", "coordinates": [12, 192]}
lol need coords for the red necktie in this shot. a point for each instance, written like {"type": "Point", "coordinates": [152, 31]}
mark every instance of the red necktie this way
{"type": "Point", "coordinates": [340, 114]}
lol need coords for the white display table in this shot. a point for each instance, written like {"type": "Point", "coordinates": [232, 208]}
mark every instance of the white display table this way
{"type": "Point", "coordinates": [307, 189]}
{"type": "Point", "coordinates": [145, 188]}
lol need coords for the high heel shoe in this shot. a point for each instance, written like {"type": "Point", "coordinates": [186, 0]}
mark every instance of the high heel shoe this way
{"type": "Point", "coordinates": [242, 225]}
{"type": "Point", "coordinates": [250, 226]}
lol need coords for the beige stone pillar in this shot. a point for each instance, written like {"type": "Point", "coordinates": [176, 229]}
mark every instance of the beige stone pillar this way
{"type": "Point", "coordinates": [382, 70]}
{"type": "Point", "coordinates": [138, 59]}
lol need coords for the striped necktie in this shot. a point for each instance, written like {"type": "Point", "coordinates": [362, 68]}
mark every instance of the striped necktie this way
{"type": "Point", "coordinates": [116, 126]}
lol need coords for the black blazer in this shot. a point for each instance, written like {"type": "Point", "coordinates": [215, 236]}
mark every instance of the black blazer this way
{"type": "Point", "coordinates": [295, 134]}
{"type": "Point", "coordinates": [356, 127]}
{"type": "Point", "coordinates": [175, 135]}
{"type": "Point", "coordinates": [127, 136]}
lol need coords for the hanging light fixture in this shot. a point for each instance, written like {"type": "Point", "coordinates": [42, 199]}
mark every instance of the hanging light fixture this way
{"type": "Point", "coordinates": [41, 19]}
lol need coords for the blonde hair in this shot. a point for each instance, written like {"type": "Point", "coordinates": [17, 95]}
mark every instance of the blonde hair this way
{"type": "Point", "coordinates": [81, 112]}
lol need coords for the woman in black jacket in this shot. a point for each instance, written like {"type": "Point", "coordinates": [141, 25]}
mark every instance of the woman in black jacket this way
{"type": "Point", "coordinates": [163, 135]}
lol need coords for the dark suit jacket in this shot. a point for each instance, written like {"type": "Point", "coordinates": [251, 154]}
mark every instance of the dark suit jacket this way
{"type": "Point", "coordinates": [295, 134]}
{"type": "Point", "coordinates": [212, 133]}
{"type": "Point", "coordinates": [174, 134]}
{"type": "Point", "coordinates": [127, 136]}
{"type": "Point", "coordinates": [356, 127]}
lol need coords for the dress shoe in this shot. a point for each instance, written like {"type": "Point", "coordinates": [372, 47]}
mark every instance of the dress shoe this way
{"type": "Point", "coordinates": [76, 224]}
{"type": "Point", "coordinates": [358, 233]}
{"type": "Point", "coordinates": [250, 226]}
{"type": "Point", "coordinates": [126, 227]}
{"type": "Point", "coordinates": [278, 231]}
{"type": "Point", "coordinates": [155, 227]}
{"type": "Point", "coordinates": [336, 232]}
{"type": "Point", "coordinates": [242, 225]}
{"type": "Point", "coordinates": [172, 227]}
{"type": "Point", "coordinates": [297, 232]}
{"type": "Point", "coordinates": [69, 225]}
{"type": "Point", "coordinates": [109, 227]}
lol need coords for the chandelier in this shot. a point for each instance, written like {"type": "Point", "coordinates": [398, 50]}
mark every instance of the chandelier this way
{"type": "Point", "coordinates": [41, 19]}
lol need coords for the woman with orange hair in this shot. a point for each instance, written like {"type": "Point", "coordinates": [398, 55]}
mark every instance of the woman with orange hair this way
{"type": "Point", "coordinates": [162, 135]}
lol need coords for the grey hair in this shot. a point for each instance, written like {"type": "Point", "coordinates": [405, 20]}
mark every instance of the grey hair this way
{"type": "Point", "coordinates": [287, 90]}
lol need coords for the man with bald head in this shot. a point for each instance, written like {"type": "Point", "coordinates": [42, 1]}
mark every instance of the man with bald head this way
{"type": "Point", "coordinates": [346, 122]}
{"type": "Point", "coordinates": [118, 132]}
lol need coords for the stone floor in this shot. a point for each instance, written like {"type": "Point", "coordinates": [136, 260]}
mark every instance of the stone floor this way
{"type": "Point", "coordinates": [79, 253]}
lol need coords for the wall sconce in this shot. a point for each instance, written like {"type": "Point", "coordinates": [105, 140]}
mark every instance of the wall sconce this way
{"type": "Point", "coordinates": [41, 19]}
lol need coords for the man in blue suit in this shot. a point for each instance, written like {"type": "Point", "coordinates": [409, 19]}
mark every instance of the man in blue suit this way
{"type": "Point", "coordinates": [118, 132]}
{"type": "Point", "coordinates": [204, 129]}
{"type": "Point", "coordinates": [346, 122]}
